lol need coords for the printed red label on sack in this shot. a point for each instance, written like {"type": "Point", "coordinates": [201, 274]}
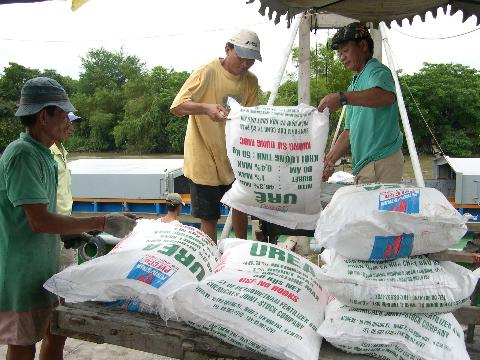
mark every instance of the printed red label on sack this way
{"type": "Point", "coordinates": [400, 200]}
{"type": "Point", "coordinates": [392, 247]}
{"type": "Point", "coordinates": [152, 271]}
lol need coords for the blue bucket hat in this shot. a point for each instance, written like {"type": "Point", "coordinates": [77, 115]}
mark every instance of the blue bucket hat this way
{"type": "Point", "coordinates": [40, 92]}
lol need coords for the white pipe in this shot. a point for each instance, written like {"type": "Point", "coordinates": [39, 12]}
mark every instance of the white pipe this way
{"type": "Point", "coordinates": [304, 61]}
{"type": "Point", "coordinates": [403, 112]}
{"type": "Point", "coordinates": [338, 127]}
{"type": "Point", "coordinates": [283, 64]}
{"type": "Point", "coordinates": [227, 227]}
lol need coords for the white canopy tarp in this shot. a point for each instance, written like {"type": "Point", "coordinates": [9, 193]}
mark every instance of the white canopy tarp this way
{"type": "Point", "coordinates": [373, 11]}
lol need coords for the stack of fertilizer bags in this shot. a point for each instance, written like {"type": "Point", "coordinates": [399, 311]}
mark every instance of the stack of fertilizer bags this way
{"type": "Point", "coordinates": [387, 298]}
{"type": "Point", "coordinates": [253, 295]}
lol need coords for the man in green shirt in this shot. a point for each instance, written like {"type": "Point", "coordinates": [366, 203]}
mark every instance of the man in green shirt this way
{"type": "Point", "coordinates": [29, 224]}
{"type": "Point", "coordinates": [372, 129]}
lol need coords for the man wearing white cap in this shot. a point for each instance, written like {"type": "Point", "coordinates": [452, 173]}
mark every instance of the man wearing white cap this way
{"type": "Point", "coordinates": [64, 187]}
{"type": "Point", "coordinates": [204, 97]}
{"type": "Point", "coordinates": [64, 192]}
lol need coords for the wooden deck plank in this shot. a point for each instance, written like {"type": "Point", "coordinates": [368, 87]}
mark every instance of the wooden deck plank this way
{"type": "Point", "coordinates": [473, 226]}
{"type": "Point", "coordinates": [97, 323]}
{"type": "Point", "coordinates": [456, 256]}
{"type": "Point", "coordinates": [468, 315]}
{"type": "Point", "coordinates": [100, 324]}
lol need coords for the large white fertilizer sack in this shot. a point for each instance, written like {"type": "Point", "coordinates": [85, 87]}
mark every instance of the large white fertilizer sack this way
{"type": "Point", "coordinates": [387, 221]}
{"type": "Point", "coordinates": [276, 153]}
{"type": "Point", "coordinates": [143, 269]}
{"type": "Point", "coordinates": [414, 284]}
{"type": "Point", "coordinates": [395, 336]}
{"type": "Point", "coordinates": [260, 298]}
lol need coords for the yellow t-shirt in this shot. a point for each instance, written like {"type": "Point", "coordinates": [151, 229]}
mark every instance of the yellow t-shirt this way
{"type": "Point", "coordinates": [64, 188]}
{"type": "Point", "coordinates": [205, 152]}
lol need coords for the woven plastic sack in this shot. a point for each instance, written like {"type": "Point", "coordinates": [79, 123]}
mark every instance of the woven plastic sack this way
{"type": "Point", "coordinates": [260, 298]}
{"type": "Point", "coordinates": [276, 153]}
{"type": "Point", "coordinates": [414, 284]}
{"type": "Point", "coordinates": [142, 270]}
{"type": "Point", "coordinates": [395, 336]}
{"type": "Point", "coordinates": [388, 221]}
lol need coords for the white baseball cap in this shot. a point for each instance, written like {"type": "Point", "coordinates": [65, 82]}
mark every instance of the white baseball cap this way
{"type": "Point", "coordinates": [246, 44]}
{"type": "Point", "coordinates": [73, 117]}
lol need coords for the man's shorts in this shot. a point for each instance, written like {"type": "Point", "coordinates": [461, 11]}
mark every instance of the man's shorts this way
{"type": "Point", "coordinates": [24, 328]}
{"type": "Point", "coordinates": [387, 170]}
{"type": "Point", "coordinates": [205, 200]}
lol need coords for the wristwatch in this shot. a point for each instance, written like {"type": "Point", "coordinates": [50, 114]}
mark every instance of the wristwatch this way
{"type": "Point", "coordinates": [343, 98]}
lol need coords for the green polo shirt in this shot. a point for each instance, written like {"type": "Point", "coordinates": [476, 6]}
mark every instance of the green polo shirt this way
{"type": "Point", "coordinates": [374, 132]}
{"type": "Point", "coordinates": [28, 175]}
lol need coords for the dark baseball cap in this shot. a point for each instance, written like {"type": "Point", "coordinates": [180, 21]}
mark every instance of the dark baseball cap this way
{"type": "Point", "coordinates": [40, 92]}
{"type": "Point", "coordinates": [351, 31]}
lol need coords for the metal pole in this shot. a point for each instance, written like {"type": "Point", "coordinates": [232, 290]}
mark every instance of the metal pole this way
{"type": "Point", "coordinates": [304, 61]}
{"type": "Point", "coordinates": [403, 112]}
{"type": "Point", "coordinates": [283, 65]}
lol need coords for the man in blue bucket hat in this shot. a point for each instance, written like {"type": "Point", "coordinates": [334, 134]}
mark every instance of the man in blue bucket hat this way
{"type": "Point", "coordinates": [40, 92]}
{"type": "Point", "coordinates": [29, 224]}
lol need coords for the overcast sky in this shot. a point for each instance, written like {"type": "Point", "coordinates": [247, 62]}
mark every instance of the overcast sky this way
{"type": "Point", "coordinates": [184, 34]}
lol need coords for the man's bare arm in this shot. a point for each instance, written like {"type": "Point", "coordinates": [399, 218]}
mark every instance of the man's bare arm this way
{"type": "Point", "coordinates": [340, 148]}
{"type": "Point", "coordinates": [375, 98]}
{"type": "Point", "coordinates": [43, 221]}
{"type": "Point", "coordinates": [216, 112]}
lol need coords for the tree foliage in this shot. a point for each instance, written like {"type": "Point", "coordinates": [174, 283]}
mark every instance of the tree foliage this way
{"type": "Point", "coordinates": [11, 82]}
{"type": "Point", "coordinates": [126, 106]}
{"type": "Point", "coordinates": [103, 69]}
{"type": "Point", "coordinates": [148, 125]}
{"type": "Point", "coordinates": [327, 75]}
{"type": "Point", "coordinates": [449, 101]}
